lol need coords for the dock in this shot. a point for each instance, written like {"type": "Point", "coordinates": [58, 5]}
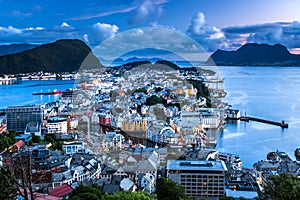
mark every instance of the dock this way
{"type": "Point", "coordinates": [282, 124]}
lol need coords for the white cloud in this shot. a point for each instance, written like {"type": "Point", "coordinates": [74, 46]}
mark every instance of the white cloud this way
{"type": "Point", "coordinates": [102, 31]}
{"type": "Point", "coordinates": [210, 37]}
{"type": "Point", "coordinates": [86, 38]}
{"type": "Point", "coordinates": [65, 24]}
{"type": "Point", "coordinates": [147, 11]}
{"type": "Point", "coordinates": [18, 13]}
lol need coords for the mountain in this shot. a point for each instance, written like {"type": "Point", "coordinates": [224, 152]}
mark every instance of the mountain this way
{"type": "Point", "coordinates": [60, 56]}
{"type": "Point", "coordinates": [15, 48]}
{"type": "Point", "coordinates": [253, 54]}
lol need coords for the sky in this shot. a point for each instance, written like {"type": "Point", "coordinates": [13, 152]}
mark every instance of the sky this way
{"type": "Point", "coordinates": [214, 24]}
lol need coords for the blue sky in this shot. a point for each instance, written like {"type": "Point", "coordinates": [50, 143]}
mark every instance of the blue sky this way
{"type": "Point", "coordinates": [224, 24]}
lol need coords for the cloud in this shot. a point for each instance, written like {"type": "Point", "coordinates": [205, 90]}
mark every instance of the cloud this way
{"type": "Point", "coordinates": [285, 33]}
{"type": "Point", "coordinates": [102, 31]}
{"type": "Point", "coordinates": [103, 14]}
{"type": "Point", "coordinates": [93, 34]}
{"type": "Point", "coordinates": [86, 38]}
{"type": "Point", "coordinates": [37, 8]}
{"type": "Point", "coordinates": [18, 13]}
{"type": "Point", "coordinates": [210, 37]}
{"type": "Point", "coordinates": [151, 37]}
{"type": "Point", "coordinates": [147, 11]}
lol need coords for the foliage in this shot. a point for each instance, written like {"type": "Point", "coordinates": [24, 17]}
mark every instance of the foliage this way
{"type": "Point", "coordinates": [285, 186]}
{"type": "Point", "coordinates": [36, 139]}
{"type": "Point", "coordinates": [169, 190]}
{"type": "Point", "coordinates": [152, 100]}
{"type": "Point", "coordinates": [8, 187]}
{"type": "Point", "coordinates": [83, 192]}
{"type": "Point", "coordinates": [7, 140]}
{"type": "Point", "coordinates": [128, 195]}
{"type": "Point", "coordinates": [56, 144]}
{"type": "Point", "coordinates": [143, 90]}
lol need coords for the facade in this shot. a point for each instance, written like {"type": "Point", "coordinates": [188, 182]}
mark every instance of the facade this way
{"type": "Point", "coordinates": [57, 125]}
{"type": "Point", "coordinates": [19, 116]}
{"type": "Point", "coordinates": [198, 178]}
{"type": "Point", "coordinates": [72, 147]}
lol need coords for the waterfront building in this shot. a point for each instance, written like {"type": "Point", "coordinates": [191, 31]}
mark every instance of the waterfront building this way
{"type": "Point", "coordinates": [198, 178]}
{"type": "Point", "coordinates": [57, 125]}
{"type": "Point", "coordinates": [210, 118]}
{"type": "Point", "coordinates": [19, 116]}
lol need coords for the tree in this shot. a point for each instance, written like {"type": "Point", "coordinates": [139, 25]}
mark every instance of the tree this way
{"type": "Point", "coordinates": [83, 192]}
{"type": "Point", "coordinates": [128, 195]}
{"type": "Point", "coordinates": [8, 187]}
{"type": "Point", "coordinates": [152, 100]}
{"type": "Point", "coordinates": [285, 186]}
{"type": "Point", "coordinates": [169, 190]}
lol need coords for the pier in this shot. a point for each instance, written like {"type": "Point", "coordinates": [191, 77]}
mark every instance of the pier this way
{"type": "Point", "coordinates": [281, 124]}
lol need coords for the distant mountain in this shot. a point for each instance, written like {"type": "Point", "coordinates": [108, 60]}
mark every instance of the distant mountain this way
{"type": "Point", "coordinates": [15, 48]}
{"type": "Point", "coordinates": [60, 56]}
{"type": "Point", "coordinates": [253, 54]}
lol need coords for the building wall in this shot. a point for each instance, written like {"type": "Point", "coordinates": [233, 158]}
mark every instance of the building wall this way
{"type": "Point", "coordinates": [19, 116]}
{"type": "Point", "coordinates": [57, 127]}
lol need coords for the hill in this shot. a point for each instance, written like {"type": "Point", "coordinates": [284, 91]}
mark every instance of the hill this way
{"type": "Point", "coordinates": [60, 56]}
{"type": "Point", "coordinates": [15, 48]}
{"type": "Point", "coordinates": [253, 54]}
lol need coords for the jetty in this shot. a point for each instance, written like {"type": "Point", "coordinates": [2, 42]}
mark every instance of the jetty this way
{"type": "Point", "coordinates": [282, 124]}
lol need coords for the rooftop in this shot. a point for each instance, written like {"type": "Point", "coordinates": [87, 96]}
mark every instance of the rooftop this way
{"type": "Point", "coordinates": [196, 165]}
{"type": "Point", "coordinates": [56, 119]}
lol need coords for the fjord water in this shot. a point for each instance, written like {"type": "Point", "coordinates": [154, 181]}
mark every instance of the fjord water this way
{"type": "Point", "coordinates": [271, 93]}
{"type": "Point", "coordinates": [21, 94]}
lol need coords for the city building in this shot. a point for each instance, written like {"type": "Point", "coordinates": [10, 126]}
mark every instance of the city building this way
{"type": "Point", "coordinates": [57, 125]}
{"type": "Point", "coordinates": [19, 116]}
{"type": "Point", "coordinates": [198, 178]}
{"type": "Point", "coordinates": [73, 147]}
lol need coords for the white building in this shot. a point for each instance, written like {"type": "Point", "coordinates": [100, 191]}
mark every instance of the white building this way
{"type": "Point", "coordinates": [72, 147]}
{"type": "Point", "coordinates": [57, 125]}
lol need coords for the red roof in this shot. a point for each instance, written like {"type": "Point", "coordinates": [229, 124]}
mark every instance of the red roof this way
{"type": "Point", "coordinates": [19, 144]}
{"type": "Point", "coordinates": [61, 190]}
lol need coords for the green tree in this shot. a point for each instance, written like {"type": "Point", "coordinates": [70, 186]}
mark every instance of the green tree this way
{"type": "Point", "coordinates": [169, 190]}
{"type": "Point", "coordinates": [285, 186]}
{"type": "Point", "coordinates": [128, 195]}
{"type": "Point", "coordinates": [153, 100]}
{"type": "Point", "coordinates": [36, 139]}
{"type": "Point", "coordinates": [83, 192]}
{"type": "Point", "coordinates": [6, 142]}
{"type": "Point", "coordinates": [8, 186]}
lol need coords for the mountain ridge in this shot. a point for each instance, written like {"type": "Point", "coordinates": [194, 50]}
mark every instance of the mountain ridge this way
{"type": "Point", "coordinates": [65, 55]}
{"type": "Point", "coordinates": [15, 48]}
{"type": "Point", "coordinates": [253, 54]}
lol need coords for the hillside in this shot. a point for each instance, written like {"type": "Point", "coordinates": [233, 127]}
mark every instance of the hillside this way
{"type": "Point", "coordinates": [256, 55]}
{"type": "Point", "coordinates": [60, 56]}
{"type": "Point", "coordinates": [15, 48]}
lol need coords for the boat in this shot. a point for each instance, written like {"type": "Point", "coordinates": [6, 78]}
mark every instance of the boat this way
{"type": "Point", "coordinates": [54, 92]}
{"type": "Point", "coordinates": [297, 154]}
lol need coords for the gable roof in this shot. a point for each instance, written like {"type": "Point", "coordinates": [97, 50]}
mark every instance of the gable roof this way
{"type": "Point", "coordinates": [61, 190]}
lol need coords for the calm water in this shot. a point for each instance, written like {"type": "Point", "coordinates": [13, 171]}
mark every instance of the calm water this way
{"type": "Point", "coordinates": [267, 92]}
{"type": "Point", "coordinates": [21, 94]}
